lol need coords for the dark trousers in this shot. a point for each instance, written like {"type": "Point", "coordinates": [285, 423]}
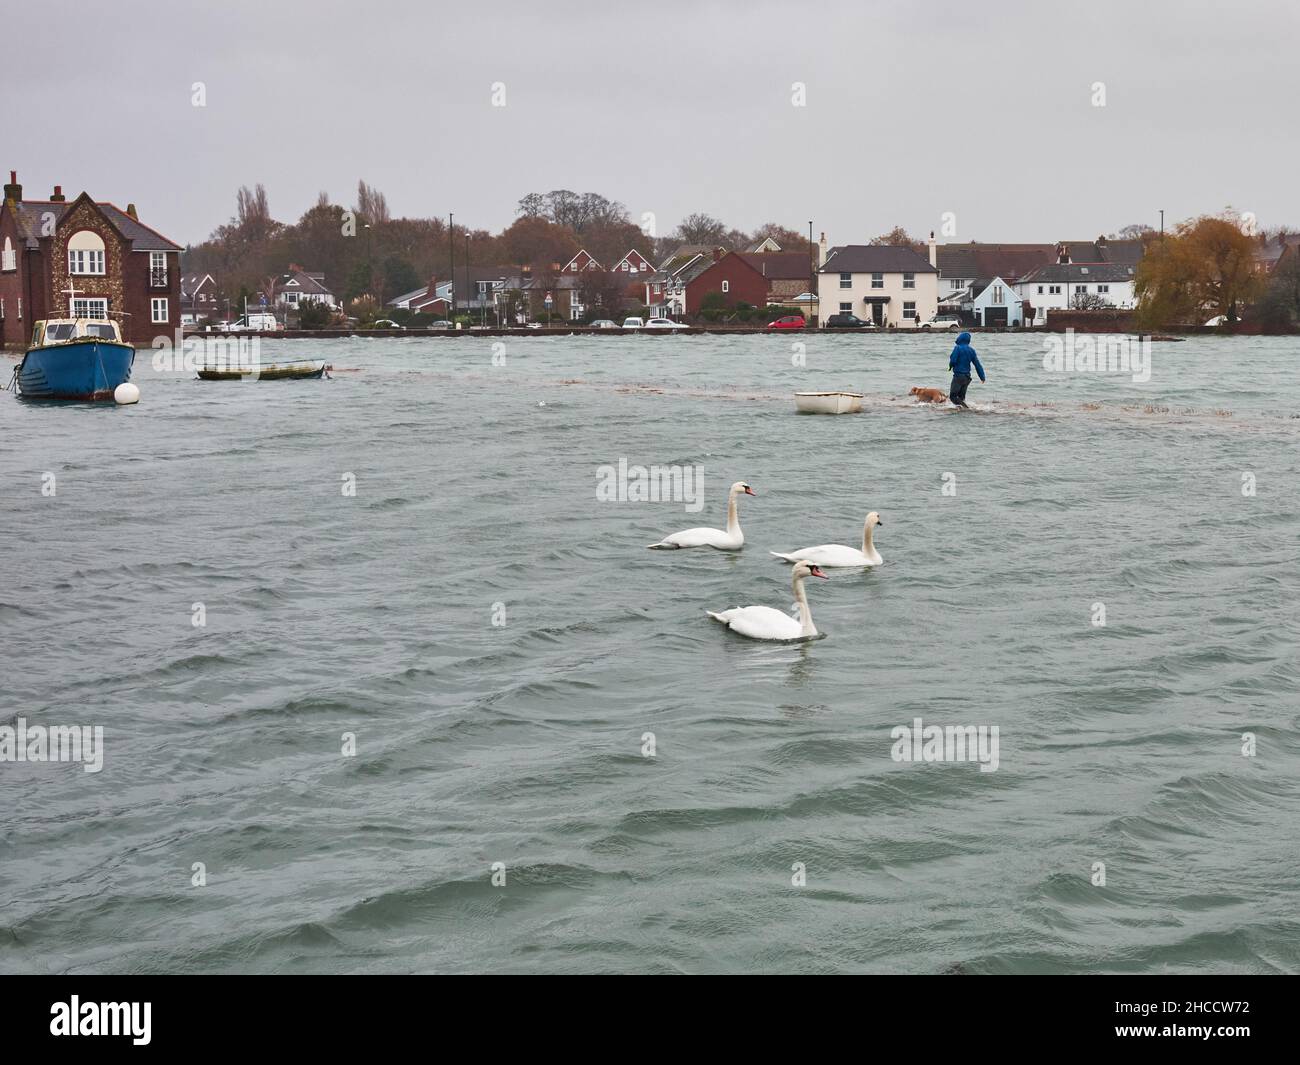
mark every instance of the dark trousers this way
{"type": "Point", "coordinates": [957, 393]}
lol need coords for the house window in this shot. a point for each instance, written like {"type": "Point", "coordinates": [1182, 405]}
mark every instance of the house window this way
{"type": "Point", "coordinates": [2, 307]}
{"type": "Point", "coordinates": [1040, 290]}
{"type": "Point", "coordinates": [909, 310]}
{"type": "Point", "coordinates": [20, 308]}
{"type": "Point", "coordinates": [1053, 290]}
{"type": "Point", "coordinates": [158, 310]}
{"type": "Point", "coordinates": [997, 295]}
{"type": "Point", "coordinates": [1081, 288]}
{"type": "Point", "coordinates": [1103, 288]}
{"type": "Point", "coordinates": [877, 280]}
{"type": "Point", "coordinates": [9, 260]}
{"type": "Point", "coordinates": [157, 269]}
{"type": "Point", "coordinates": [726, 286]}
{"type": "Point", "coordinates": [909, 281]}
{"type": "Point", "coordinates": [85, 253]}
{"type": "Point", "coordinates": [846, 280]}
{"type": "Point", "coordinates": [87, 308]}
{"type": "Point", "coordinates": [846, 308]}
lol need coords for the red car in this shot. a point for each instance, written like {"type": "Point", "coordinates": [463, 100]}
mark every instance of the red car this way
{"type": "Point", "coordinates": [790, 321]}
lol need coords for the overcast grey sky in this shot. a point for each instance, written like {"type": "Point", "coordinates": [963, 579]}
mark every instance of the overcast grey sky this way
{"type": "Point", "coordinates": [672, 106]}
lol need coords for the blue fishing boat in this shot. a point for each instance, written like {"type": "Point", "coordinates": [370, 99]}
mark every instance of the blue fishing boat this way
{"type": "Point", "coordinates": [74, 358]}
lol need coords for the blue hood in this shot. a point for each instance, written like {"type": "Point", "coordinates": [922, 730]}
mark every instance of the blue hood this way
{"type": "Point", "coordinates": [963, 338]}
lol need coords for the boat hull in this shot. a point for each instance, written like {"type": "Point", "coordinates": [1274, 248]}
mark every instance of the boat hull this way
{"type": "Point", "coordinates": [828, 402]}
{"type": "Point", "coordinates": [267, 373]}
{"type": "Point", "coordinates": [87, 370]}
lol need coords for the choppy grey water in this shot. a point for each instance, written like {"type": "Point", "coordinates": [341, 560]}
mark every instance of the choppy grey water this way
{"type": "Point", "coordinates": [522, 743]}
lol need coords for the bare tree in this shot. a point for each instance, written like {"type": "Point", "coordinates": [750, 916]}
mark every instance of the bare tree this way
{"type": "Point", "coordinates": [371, 205]}
{"type": "Point", "coordinates": [699, 228]}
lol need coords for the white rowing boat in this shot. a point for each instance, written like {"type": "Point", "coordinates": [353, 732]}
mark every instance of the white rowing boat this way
{"type": "Point", "coordinates": [828, 402]}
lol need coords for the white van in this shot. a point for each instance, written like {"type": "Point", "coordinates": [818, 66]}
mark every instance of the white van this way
{"type": "Point", "coordinates": [260, 322]}
{"type": "Point", "coordinates": [632, 323]}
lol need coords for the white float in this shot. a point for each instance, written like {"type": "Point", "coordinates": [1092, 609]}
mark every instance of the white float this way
{"type": "Point", "coordinates": [126, 393]}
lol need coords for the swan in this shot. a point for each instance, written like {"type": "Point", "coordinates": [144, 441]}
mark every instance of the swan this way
{"type": "Point", "coordinates": [838, 554]}
{"type": "Point", "coordinates": [730, 540]}
{"type": "Point", "coordinates": [768, 623]}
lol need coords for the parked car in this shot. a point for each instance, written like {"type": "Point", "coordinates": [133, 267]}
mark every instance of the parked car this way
{"type": "Point", "coordinates": [264, 322]}
{"type": "Point", "coordinates": [386, 323]}
{"type": "Point", "coordinates": [604, 323]}
{"type": "Point", "coordinates": [664, 323]}
{"type": "Point", "coordinates": [633, 323]}
{"type": "Point", "coordinates": [845, 320]}
{"type": "Point", "coordinates": [789, 321]}
{"type": "Point", "coordinates": [943, 321]}
{"type": "Point", "coordinates": [439, 325]}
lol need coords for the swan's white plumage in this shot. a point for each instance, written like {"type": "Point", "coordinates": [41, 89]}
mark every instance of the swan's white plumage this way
{"type": "Point", "coordinates": [728, 539]}
{"type": "Point", "coordinates": [768, 623]}
{"type": "Point", "coordinates": [838, 555]}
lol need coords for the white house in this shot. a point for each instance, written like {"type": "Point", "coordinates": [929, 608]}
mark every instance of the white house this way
{"type": "Point", "coordinates": [302, 286]}
{"type": "Point", "coordinates": [1063, 286]}
{"type": "Point", "coordinates": [887, 284]}
{"type": "Point", "coordinates": [992, 302]}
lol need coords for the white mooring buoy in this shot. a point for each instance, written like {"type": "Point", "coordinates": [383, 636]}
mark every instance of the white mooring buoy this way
{"type": "Point", "coordinates": [126, 393]}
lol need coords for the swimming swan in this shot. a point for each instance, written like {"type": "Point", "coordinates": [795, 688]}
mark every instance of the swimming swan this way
{"type": "Point", "coordinates": [768, 623]}
{"type": "Point", "coordinates": [730, 540]}
{"type": "Point", "coordinates": [838, 554]}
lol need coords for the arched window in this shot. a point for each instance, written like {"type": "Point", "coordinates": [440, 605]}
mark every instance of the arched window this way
{"type": "Point", "coordinates": [85, 253]}
{"type": "Point", "coordinates": [9, 259]}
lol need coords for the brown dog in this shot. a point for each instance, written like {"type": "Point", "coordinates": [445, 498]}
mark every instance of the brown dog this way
{"type": "Point", "coordinates": [929, 395]}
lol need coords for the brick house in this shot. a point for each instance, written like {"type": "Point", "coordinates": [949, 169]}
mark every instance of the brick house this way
{"type": "Point", "coordinates": [200, 298]}
{"type": "Point", "coordinates": [86, 259]}
{"type": "Point", "coordinates": [789, 273]}
{"type": "Point", "coordinates": [731, 276]}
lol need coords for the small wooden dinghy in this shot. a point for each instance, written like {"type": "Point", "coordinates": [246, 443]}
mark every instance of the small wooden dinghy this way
{"type": "Point", "coordinates": [276, 371]}
{"type": "Point", "coordinates": [828, 402]}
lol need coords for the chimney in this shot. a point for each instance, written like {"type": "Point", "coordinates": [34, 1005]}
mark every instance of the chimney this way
{"type": "Point", "coordinates": [294, 268]}
{"type": "Point", "coordinates": [130, 209]}
{"type": "Point", "coordinates": [57, 195]}
{"type": "Point", "coordinates": [433, 285]}
{"type": "Point", "coordinates": [934, 251]}
{"type": "Point", "coordinates": [14, 191]}
{"type": "Point", "coordinates": [1062, 254]}
{"type": "Point", "coordinates": [821, 251]}
{"type": "Point", "coordinates": [717, 254]}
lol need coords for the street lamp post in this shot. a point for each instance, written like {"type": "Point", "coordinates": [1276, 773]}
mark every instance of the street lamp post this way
{"type": "Point", "coordinates": [451, 241]}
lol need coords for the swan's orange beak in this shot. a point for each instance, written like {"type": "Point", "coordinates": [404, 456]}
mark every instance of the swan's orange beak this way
{"type": "Point", "coordinates": [749, 491]}
{"type": "Point", "coordinates": [816, 572]}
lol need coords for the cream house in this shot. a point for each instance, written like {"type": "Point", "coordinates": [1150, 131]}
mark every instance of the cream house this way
{"type": "Point", "coordinates": [890, 285]}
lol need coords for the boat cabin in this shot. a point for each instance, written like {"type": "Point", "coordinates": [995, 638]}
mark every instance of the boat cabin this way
{"type": "Point", "coordinates": [62, 330]}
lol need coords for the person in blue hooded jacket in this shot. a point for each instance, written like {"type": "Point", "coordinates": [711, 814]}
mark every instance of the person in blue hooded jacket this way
{"type": "Point", "coordinates": [959, 362]}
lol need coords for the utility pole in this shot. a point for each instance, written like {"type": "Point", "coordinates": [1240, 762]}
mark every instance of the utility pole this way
{"type": "Point", "coordinates": [451, 240]}
{"type": "Point", "coordinates": [812, 270]}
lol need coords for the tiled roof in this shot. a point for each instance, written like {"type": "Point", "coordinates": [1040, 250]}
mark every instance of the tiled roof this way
{"type": "Point", "coordinates": [875, 258]}
{"type": "Point", "coordinates": [31, 221]}
{"type": "Point", "coordinates": [779, 265]}
{"type": "Point", "coordinates": [312, 282]}
{"type": "Point", "coordinates": [1080, 273]}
